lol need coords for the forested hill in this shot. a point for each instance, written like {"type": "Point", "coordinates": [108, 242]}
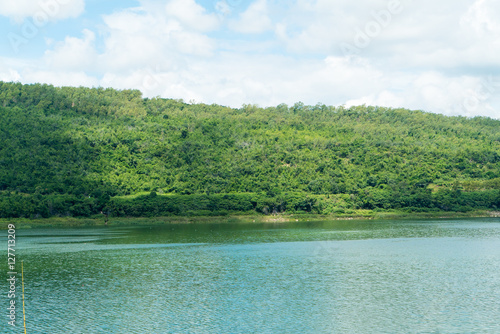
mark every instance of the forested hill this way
{"type": "Point", "coordinates": [78, 151]}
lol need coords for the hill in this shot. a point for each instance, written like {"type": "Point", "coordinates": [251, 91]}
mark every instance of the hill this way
{"type": "Point", "coordinates": [79, 151]}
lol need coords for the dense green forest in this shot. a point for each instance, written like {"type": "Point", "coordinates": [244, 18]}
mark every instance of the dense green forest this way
{"type": "Point", "coordinates": [79, 151]}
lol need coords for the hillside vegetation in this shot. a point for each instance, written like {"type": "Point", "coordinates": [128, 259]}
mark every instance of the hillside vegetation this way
{"type": "Point", "coordinates": [79, 151]}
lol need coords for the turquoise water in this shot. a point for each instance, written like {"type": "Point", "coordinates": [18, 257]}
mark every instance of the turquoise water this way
{"type": "Point", "coordinates": [440, 276]}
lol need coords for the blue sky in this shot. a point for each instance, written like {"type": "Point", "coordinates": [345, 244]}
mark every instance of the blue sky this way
{"type": "Point", "coordinates": [434, 56]}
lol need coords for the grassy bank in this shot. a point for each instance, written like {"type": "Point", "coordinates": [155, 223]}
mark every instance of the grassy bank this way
{"type": "Point", "coordinates": [23, 223]}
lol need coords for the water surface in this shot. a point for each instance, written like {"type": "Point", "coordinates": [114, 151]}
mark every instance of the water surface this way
{"type": "Point", "coordinates": [439, 276]}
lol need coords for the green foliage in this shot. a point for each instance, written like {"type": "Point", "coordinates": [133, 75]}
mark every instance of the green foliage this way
{"type": "Point", "coordinates": [78, 151]}
{"type": "Point", "coordinates": [216, 204]}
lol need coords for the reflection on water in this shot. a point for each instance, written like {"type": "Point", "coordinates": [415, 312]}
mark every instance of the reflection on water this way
{"type": "Point", "coordinates": [327, 277]}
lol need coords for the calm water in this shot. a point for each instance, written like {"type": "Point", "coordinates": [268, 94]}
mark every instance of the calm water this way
{"type": "Point", "coordinates": [328, 277]}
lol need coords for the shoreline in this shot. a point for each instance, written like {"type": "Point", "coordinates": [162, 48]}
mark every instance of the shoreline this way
{"type": "Point", "coordinates": [57, 222]}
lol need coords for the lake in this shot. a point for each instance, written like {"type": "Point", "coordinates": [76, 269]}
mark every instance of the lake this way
{"type": "Point", "coordinates": [414, 276]}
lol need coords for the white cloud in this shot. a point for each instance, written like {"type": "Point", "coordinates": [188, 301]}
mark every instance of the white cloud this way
{"type": "Point", "coordinates": [9, 75]}
{"type": "Point", "coordinates": [385, 98]}
{"type": "Point", "coordinates": [50, 10]}
{"type": "Point", "coordinates": [431, 55]}
{"type": "Point", "coordinates": [140, 45]}
{"type": "Point", "coordinates": [11, 69]}
{"type": "Point", "coordinates": [482, 16]}
{"type": "Point", "coordinates": [60, 78]}
{"type": "Point", "coordinates": [130, 44]}
{"type": "Point", "coordinates": [192, 15]}
{"type": "Point", "coordinates": [73, 53]}
{"type": "Point", "coordinates": [223, 8]}
{"type": "Point", "coordinates": [149, 36]}
{"type": "Point", "coordinates": [129, 21]}
{"type": "Point", "coordinates": [254, 20]}
{"type": "Point", "coordinates": [432, 91]}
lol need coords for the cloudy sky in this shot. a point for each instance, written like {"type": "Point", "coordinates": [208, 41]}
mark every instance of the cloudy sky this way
{"type": "Point", "coordinates": [438, 56]}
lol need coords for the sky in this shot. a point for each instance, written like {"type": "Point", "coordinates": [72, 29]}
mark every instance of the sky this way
{"type": "Point", "coordinates": [436, 56]}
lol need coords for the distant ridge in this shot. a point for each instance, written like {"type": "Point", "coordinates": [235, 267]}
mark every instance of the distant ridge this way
{"type": "Point", "coordinates": [69, 151]}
